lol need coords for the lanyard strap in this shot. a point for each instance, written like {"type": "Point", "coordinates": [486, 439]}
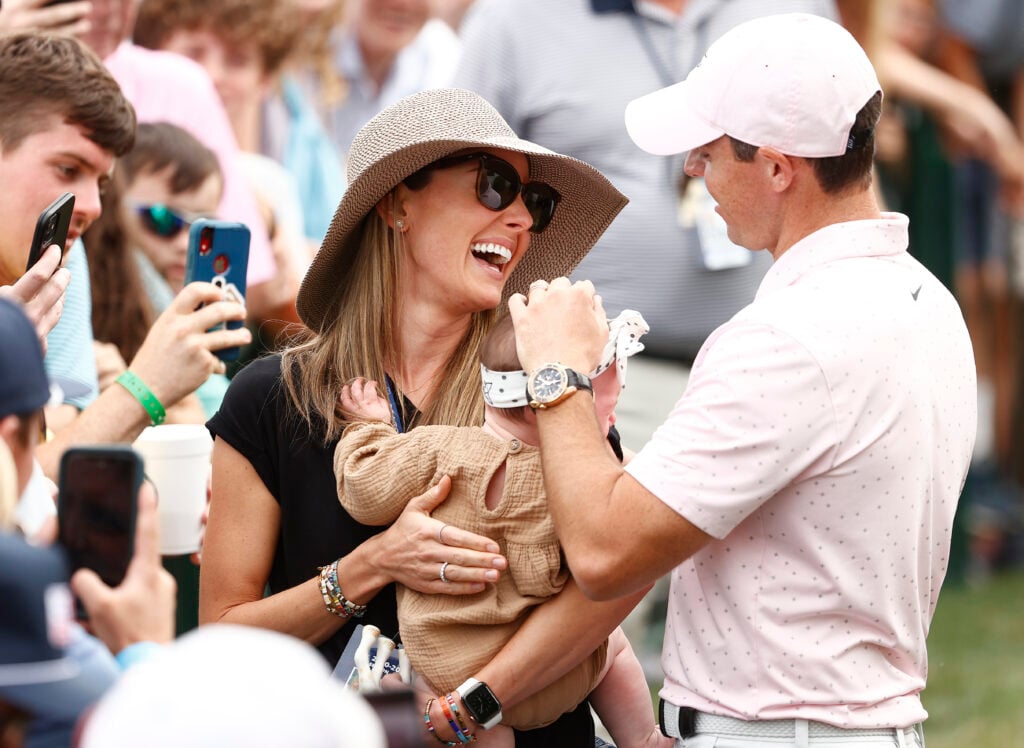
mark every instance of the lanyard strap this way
{"type": "Point", "coordinates": [665, 75]}
{"type": "Point", "coordinates": [396, 413]}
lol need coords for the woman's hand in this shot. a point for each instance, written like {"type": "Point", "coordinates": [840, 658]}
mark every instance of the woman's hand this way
{"type": "Point", "coordinates": [417, 546]}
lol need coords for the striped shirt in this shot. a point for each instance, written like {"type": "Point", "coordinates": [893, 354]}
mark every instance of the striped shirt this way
{"type": "Point", "coordinates": [562, 73]}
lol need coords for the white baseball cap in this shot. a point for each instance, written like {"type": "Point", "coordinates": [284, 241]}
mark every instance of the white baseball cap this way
{"type": "Point", "coordinates": [794, 82]}
{"type": "Point", "coordinates": [228, 685]}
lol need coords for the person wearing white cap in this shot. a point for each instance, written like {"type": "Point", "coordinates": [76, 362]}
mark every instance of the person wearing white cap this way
{"type": "Point", "coordinates": [802, 489]}
{"type": "Point", "coordinates": [229, 685]}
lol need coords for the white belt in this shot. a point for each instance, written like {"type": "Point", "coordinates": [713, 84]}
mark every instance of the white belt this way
{"type": "Point", "coordinates": [675, 721]}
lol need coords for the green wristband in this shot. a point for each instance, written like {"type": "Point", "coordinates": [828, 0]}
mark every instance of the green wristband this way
{"type": "Point", "coordinates": [144, 395]}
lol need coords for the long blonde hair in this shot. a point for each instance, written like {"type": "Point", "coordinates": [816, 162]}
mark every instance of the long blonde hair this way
{"type": "Point", "coordinates": [361, 340]}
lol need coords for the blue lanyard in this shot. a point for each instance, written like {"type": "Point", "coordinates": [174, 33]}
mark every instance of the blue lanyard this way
{"type": "Point", "coordinates": [396, 414]}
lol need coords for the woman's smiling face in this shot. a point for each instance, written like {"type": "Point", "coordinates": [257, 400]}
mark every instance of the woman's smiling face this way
{"type": "Point", "coordinates": [458, 252]}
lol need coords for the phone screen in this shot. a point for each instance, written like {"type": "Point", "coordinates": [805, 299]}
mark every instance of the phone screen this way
{"type": "Point", "coordinates": [98, 490]}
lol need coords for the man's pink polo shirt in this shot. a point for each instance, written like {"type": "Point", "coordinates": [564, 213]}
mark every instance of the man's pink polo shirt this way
{"type": "Point", "coordinates": [167, 87]}
{"type": "Point", "coordinates": [823, 439]}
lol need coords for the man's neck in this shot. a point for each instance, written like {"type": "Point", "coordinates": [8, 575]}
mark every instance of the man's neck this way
{"type": "Point", "coordinates": [814, 215]}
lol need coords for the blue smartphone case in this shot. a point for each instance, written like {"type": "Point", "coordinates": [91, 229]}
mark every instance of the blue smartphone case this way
{"type": "Point", "coordinates": [218, 253]}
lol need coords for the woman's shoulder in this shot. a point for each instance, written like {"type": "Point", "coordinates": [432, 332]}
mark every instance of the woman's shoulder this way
{"type": "Point", "coordinates": [256, 385]}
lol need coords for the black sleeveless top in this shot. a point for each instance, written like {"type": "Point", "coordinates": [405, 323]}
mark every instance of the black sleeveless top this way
{"type": "Point", "coordinates": [257, 420]}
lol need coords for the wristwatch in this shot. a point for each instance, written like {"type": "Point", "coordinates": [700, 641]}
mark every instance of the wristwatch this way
{"type": "Point", "coordinates": [552, 383]}
{"type": "Point", "coordinates": [481, 703]}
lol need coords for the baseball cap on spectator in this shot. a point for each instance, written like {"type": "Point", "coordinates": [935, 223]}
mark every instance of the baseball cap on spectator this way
{"type": "Point", "coordinates": [36, 622]}
{"type": "Point", "coordinates": [223, 684]}
{"type": "Point", "coordinates": [24, 385]}
{"type": "Point", "coordinates": [793, 82]}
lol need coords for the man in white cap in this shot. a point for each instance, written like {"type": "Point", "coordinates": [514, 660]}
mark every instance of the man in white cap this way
{"type": "Point", "coordinates": [802, 489]}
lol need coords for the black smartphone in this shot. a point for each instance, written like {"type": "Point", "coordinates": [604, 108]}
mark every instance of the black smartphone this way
{"type": "Point", "coordinates": [51, 228]}
{"type": "Point", "coordinates": [218, 253]}
{"type": "Point", "coordinates": [400, 715]}
{"type": "Point", "coordinates": [97, 499]}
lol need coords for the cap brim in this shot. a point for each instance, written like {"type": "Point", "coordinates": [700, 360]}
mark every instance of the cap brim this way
{"type": "Point", "coordinates": [63, 692]}
{"type": "Point", "coordinates": [665, 123]}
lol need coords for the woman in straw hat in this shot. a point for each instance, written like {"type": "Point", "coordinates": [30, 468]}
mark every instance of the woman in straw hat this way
{"type": "Point", "coordinates": [447, 214]}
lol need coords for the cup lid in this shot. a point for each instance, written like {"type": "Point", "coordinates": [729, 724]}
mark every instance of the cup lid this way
{"type": "Point", "coordinates": [174, 440]}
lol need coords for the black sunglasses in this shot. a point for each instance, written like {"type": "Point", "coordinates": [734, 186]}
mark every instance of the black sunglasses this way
{"type": "Point", "coordinates": [161, 220]}
{"type": "Point", "coordinates": [498, 184]}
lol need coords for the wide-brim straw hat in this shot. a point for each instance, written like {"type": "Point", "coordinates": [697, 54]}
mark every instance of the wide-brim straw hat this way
{"type": "Point", "coordinates": [425, 127]}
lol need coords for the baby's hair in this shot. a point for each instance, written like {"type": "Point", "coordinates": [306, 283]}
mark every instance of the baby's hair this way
{"type": "Point", "coordinates": [498, 350]}
{"type": "Point", "coordinates": [161, 145]}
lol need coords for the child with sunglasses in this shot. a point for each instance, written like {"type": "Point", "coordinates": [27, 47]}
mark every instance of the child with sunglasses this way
{"type": "Point", "coordinates": [170, 180]}
{"type": "Point", "coordinates": [497, 491]}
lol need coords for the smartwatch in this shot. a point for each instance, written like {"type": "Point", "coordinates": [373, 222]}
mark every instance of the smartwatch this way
{"type": "Point", "coordinates": [481, 703]}
{"type": "Point", "coordinates": [552, 383]}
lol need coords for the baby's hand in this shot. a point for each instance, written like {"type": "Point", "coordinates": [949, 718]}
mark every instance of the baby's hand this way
{"type": "Point", "coordinates": [360, 400]}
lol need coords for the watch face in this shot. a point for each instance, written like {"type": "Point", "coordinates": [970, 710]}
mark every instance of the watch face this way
{"type": "Point", "coordinates": [548, 383]}
{"type": "Point", "coordinates": [481, 703]}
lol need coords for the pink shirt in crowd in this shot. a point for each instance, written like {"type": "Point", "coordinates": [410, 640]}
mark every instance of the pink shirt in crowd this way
{"type": "Point", "coordinates": [166, 87]}
{"type": "Point", "coordinates": [823, 439]}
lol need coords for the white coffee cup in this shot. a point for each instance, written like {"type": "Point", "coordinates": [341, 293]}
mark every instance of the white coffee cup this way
{"type": "Point", "coordinates": [177, 461]}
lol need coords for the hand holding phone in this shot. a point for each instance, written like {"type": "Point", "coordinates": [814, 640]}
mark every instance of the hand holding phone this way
{"type": "Point", "coordinates": [96, 509]}
{"type": "Point", "coordinates": [52, 228]}
{"type": "Point", "coordinates": [218, 253]}
{"type": "Point", "coordinates": [141, 608]}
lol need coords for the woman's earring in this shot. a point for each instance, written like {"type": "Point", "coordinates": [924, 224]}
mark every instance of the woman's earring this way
{"type": "Point", "coordinates": [400, 224]}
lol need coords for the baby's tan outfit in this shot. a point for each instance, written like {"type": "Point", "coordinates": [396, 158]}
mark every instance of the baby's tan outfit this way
{"type": "Point", "coordinates": [448, 637]}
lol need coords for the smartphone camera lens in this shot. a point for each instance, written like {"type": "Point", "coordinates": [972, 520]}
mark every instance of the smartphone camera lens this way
{"type": "Point", "coordinates": [205, 241]}
{"type": "Point", "coordinates": [221, 264]}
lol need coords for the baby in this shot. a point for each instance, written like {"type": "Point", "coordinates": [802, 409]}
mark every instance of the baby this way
{"type": "Point", "coordinates": [497, 491]}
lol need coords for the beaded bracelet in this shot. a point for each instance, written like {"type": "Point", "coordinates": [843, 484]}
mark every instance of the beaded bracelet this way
{"type": "Point", "coordinates": [430, 725]}
{"type": "Point", "coordinates": [461, 731]}
{"type": "Point", "coordinates": [335, 601]}
{"type": "Point", "coordinates": [138, 389]}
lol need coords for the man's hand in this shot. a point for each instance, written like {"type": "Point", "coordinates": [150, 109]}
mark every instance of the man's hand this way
{"type": "Point", "coordinates": [560, 322]}
{"type": "Point", "coordinates": [41, 291]}
{"type": "Point", "coordinates": [65, 18]}
{"type": "Point", "coordinates": [141, 608]}
{"type": "Point", "coordinates": [361, 400]}
{"type": "Point", "coordinates": [178, 353]}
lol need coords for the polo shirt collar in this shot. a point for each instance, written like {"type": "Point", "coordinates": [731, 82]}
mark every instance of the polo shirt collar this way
{"type": "Point", "coordinates": [613, 6]}
{"type": "Point", "coordinates": [883, 237]}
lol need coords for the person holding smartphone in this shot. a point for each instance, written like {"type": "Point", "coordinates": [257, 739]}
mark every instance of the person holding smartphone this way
{"type": "Point", "coordinates": [73, 669]}
{"type": "Point", "coordinates": [78, 124]}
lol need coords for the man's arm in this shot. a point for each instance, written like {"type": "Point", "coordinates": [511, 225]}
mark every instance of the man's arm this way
{"type": "Point", "coordinates": [175, 358]}
{"type": "Point", "coordinates": [627, 538]}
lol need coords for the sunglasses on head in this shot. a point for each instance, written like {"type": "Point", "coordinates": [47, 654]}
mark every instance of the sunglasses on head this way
{"type": "Point", "coordinates": [161, 220]}
{"type": "Point", "coordinates": [498, 184]}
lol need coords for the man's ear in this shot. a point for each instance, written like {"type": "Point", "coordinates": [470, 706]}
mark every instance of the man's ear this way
{"type": "Point", "coordinates": [778, 168]}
